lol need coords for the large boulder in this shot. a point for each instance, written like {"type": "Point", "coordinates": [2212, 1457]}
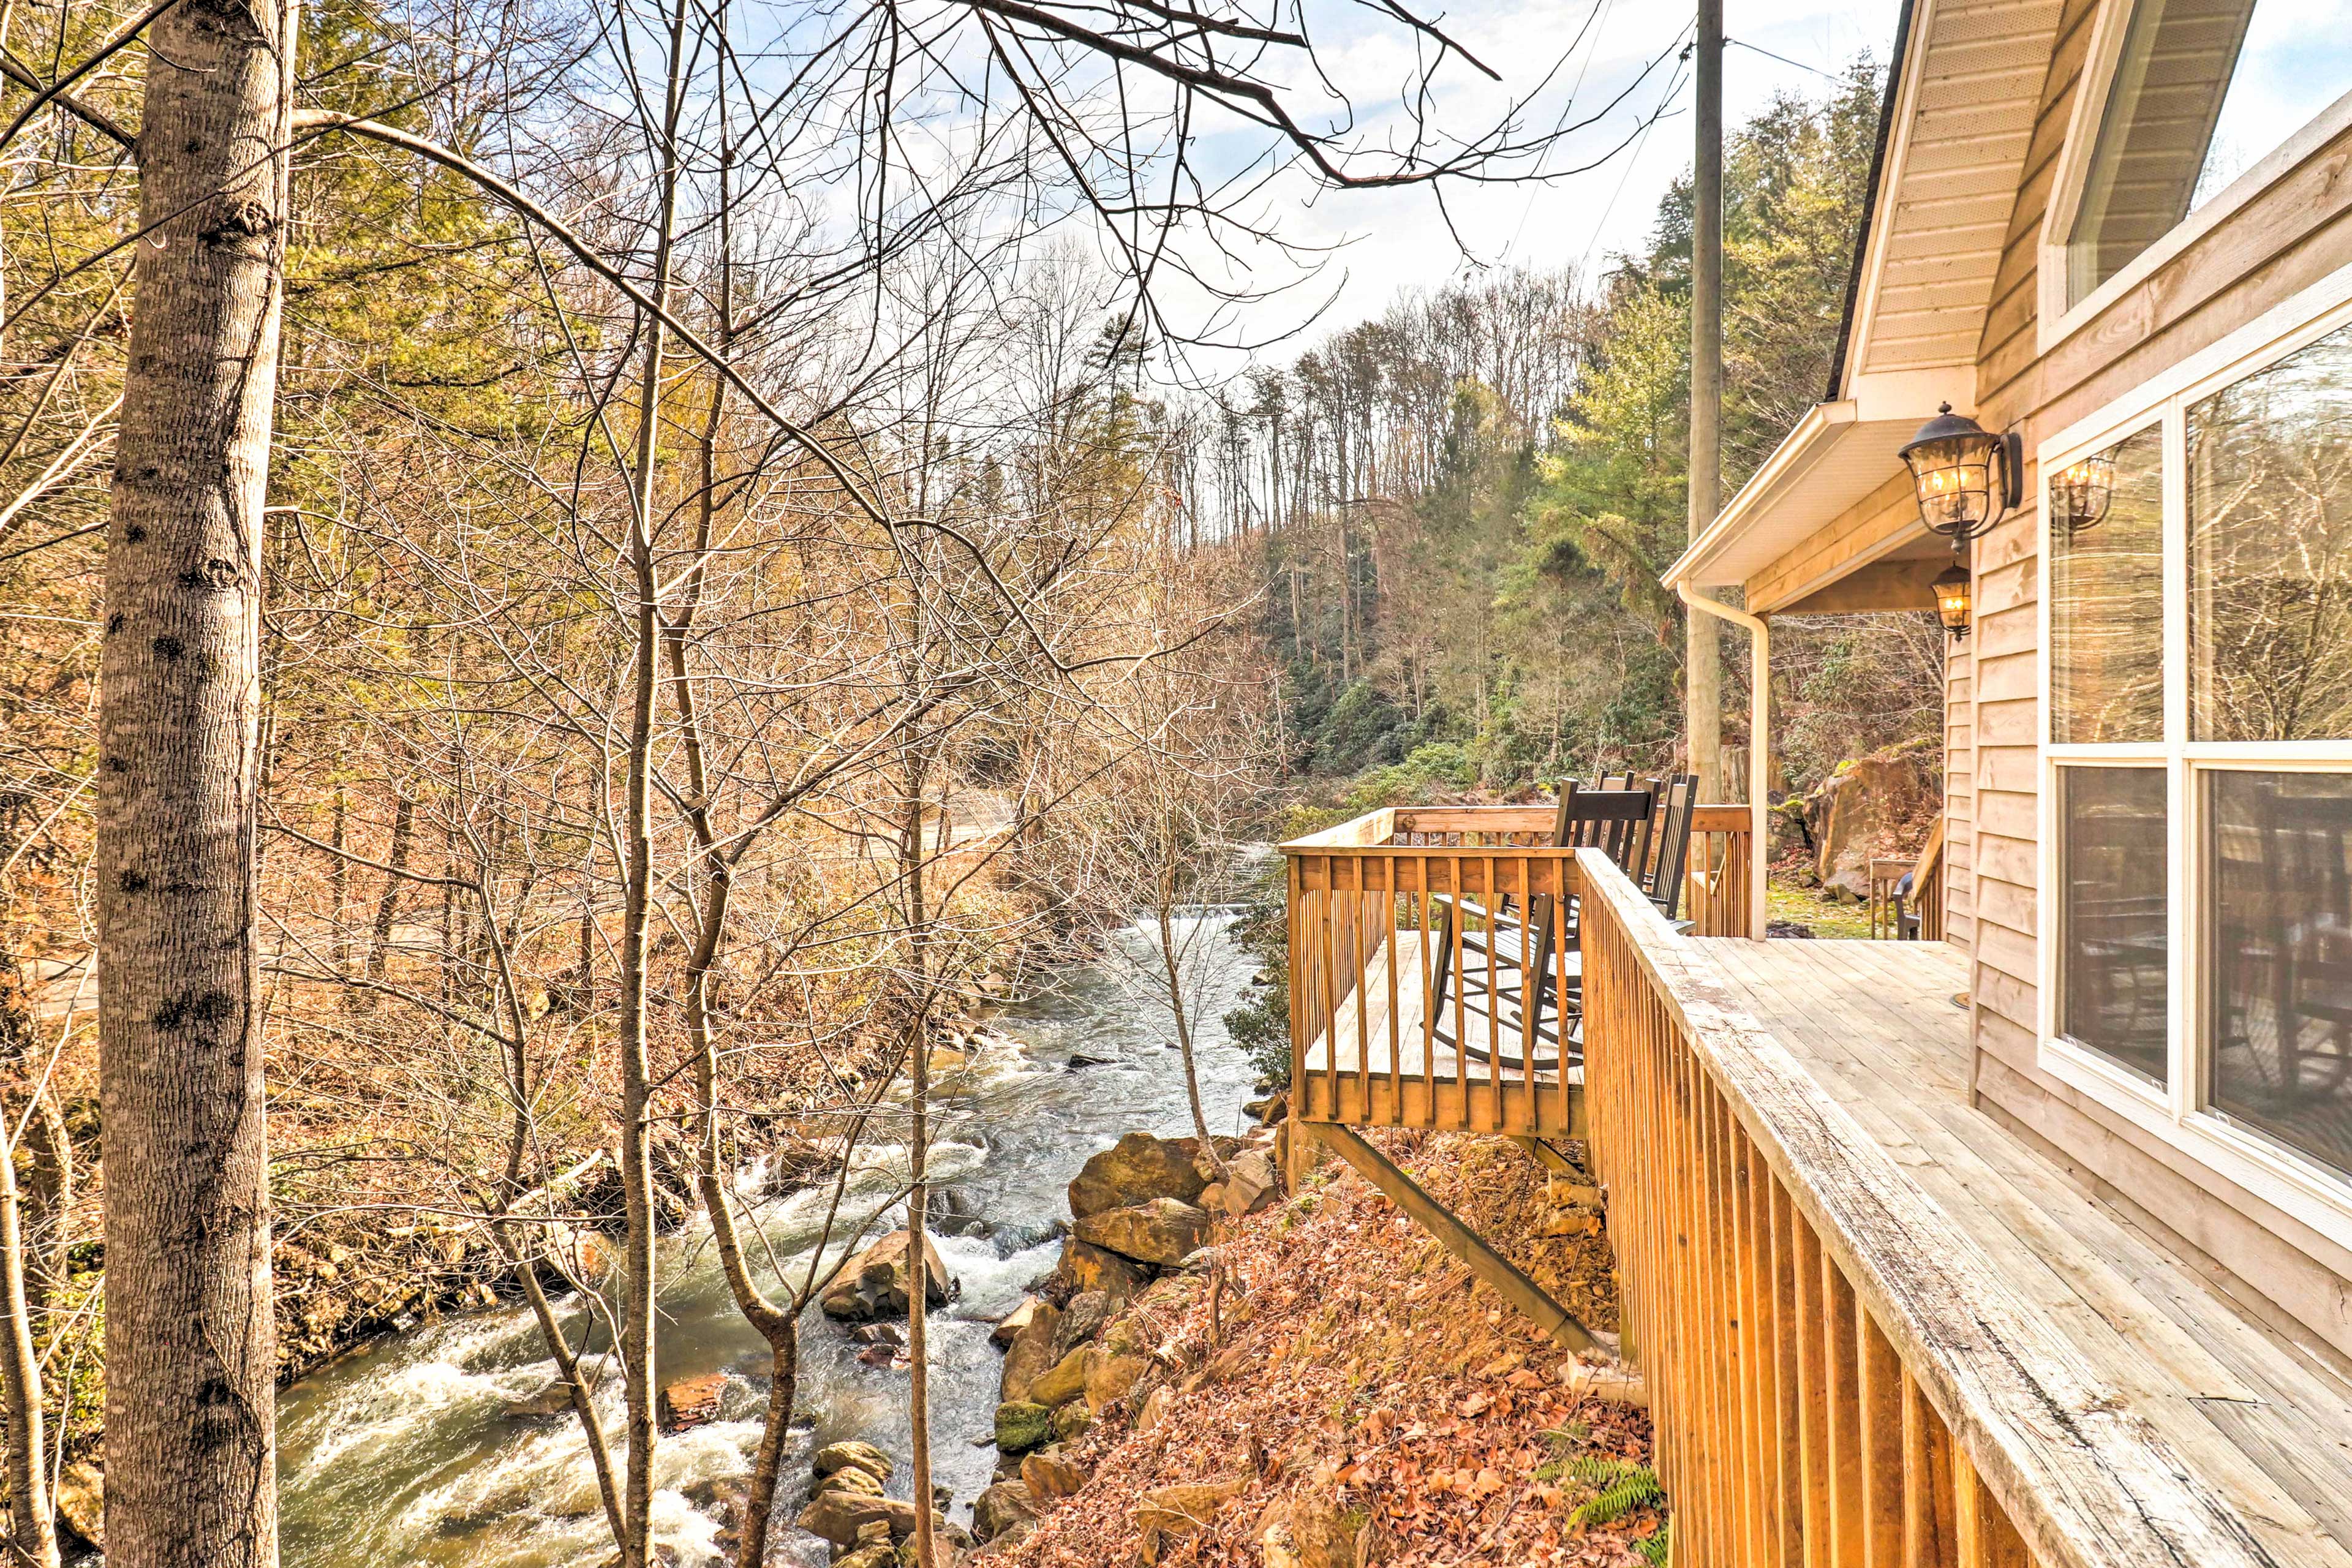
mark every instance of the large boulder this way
{"type": "Point", "coordinates": [1065, 1382]}
{"type": "Point", "coordinates": [849, 1478]}
{"type": "Point", "coordinates": [1250, 1185]}
{"type": "Point", "coordinates": [1110, 1377]}
{"type": "Point", "coordinates": [1032, 1352]}
{"type": "Point", "coordinates": [1135, 1169]}
{"type": "Point", "coordinates": [1008, 1327]}
{"type": "Point", "coordinates": [1022, 1425]}
{"type": "Point", "coordinates": [1882, 805]}
{"type": "Point", "coordinates": [1083, 1319]}
{"type": "Point", "coordinates": [1162, 1231]}
{"type": "Point", "coordinates": [1087, 1268]}
{"type": "Point", "coordinates": [876, 1283]}
{"type": "Point", "coordinates": [839, 1516]}
{"type": "Point", "coordinates": [1049, 1476]}
{"type": "Point", "coordinates": [1001, 1508]}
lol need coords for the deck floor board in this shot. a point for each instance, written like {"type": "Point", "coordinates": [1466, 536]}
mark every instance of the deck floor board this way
{"type": "Point", "coordinates": [2267, 1424]}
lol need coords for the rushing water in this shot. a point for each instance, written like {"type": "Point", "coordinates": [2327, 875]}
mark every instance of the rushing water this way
{"type": "Point", "coordinates": [406, 1452]}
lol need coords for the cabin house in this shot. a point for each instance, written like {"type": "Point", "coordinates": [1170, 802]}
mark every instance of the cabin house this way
{"type": "Point", "coordinates": [2031, 1241]}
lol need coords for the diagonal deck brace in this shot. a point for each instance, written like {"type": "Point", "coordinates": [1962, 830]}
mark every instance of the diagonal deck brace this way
{"type": "Point", "coordinates": [1523, 1295]}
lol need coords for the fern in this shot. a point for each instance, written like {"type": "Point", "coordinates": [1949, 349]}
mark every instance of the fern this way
{"type": "Point", "coordinates": [1659, 1549]}
{"type": "Point", "coordinates": [1620, 1488]}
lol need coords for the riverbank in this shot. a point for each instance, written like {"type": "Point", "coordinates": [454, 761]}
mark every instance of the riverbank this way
{"type": "Point", "coordinates": [1350, 1394]}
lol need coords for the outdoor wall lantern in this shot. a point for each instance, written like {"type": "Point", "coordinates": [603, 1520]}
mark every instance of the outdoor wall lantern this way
{"type": "Point", "coordinates": [1953, 462]}
{"type": "Point", "coordinates": [1951, 588]}
{"type": "Point", "coordinates": [2080, 491]}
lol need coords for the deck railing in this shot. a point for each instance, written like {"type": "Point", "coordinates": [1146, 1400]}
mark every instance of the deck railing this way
{"type": "Point", "coordinates": [1389, 914]}
{"type": "Point", "coordinates": [1836, 1376]}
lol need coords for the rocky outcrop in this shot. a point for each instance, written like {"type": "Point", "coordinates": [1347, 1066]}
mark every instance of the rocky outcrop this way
{"type": "Point", "coordinates": [1163, 1232]}
{"type": "Point", "coordinates": [1008, 1327]}
{"type": "Point", "coordinates": [878, 1281]}
{"type": "Point", "coordinates": [1136, 1170]}
{"type": "Point", "coordinates": [1250, 1186]}
{"type": "Point", "coordinates": [1873, 806]}
{"type": "Point", "coordinates": [1110, 1377]}
{"type": "Point", "coordinates": [1166, 1514]}
{"type": "Point", "coordinates": [1049, 1476]}
{"type": "Point", "coordinates": [840, 1517]}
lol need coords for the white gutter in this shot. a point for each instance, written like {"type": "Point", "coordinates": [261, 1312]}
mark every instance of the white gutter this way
{"type": "Point", "coordinates": [1759, 739]}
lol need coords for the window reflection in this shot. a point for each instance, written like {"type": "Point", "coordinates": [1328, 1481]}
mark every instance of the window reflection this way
{"type": "Point", "coordinates": [2270, 528]}
{"type": "Point", "coordinates": [2111, 915]}
{"type": "Point", "coordinates": [2106, 607]}
{"type": "Point", "coordinates": [2279, 949]}
{"type": "Point", "coordinates": [2203, 90]}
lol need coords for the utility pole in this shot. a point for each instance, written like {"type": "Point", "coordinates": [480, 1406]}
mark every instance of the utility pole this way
{"type": "Point", "coordinates": [1702, 650]}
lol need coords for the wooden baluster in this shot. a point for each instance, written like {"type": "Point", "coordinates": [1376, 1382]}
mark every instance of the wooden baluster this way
{"type": "Point", "coordinates": [1388, 913]}
{"type": "Point", "coordinates": [1456, 877]}
{"type": "Point", "coordinates": [1848, 1515]}
{"type": "Point", "coordinates": [1788, 1397]}
{"type": "Point", "coordinates": [1301, 985]}
{"type": "Point", "coordinates": [1882, 1444]}
{"type": "Point", "coordinates": [1332, 962]}
{"type": "Point", "coordinates": [1927, 1533]}
{"type": "Point", "coordinates": [1813, 1446]}
{"type": "Point", "coordinates": [1429, 1006]}
{"type": "Point", "coordinates": [1981, 1534]}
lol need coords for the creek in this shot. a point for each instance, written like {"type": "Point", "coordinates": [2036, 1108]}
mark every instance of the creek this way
{"type": "Point", "coordinates": [405, 1452]}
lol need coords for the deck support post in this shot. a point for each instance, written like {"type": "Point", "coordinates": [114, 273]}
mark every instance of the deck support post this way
{"type": "Point", "coordinates": [1523, 1295]}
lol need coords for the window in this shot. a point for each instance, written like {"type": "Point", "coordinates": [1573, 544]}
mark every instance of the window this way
{"type": "Point", "coordinates": [2269, 520]}
{"type": "Point", "coordinates": [2107, 587]}
{"type": "Point", "coordinates": [2197, 841]}
{"type": "Point", "coordinates": [2279, 949]}
{"type": "Point", "coordinates": [2201, 91]}
{"type": "Point", "coordinates": [2112, 917]}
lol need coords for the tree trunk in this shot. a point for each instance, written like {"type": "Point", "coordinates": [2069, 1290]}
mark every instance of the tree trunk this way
{"type": "Point", "coordinates": [191, 1428]}
{"type": "Point", "coordinates": [32, 1533]}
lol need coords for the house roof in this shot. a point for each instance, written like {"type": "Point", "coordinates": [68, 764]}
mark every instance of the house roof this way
{"type": "Point", "coordinates": [1954, 133]}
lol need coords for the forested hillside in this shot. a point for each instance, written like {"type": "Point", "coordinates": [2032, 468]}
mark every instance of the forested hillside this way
{"type": "Point", "coordinates": [1464, 506]}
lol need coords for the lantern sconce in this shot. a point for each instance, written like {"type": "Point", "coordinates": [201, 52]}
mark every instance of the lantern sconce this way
{"type": "Point", "coordinates": [2080, 493]}
{"type": "Point", "coordinates": [1951, 588]}
{"type": "Point", "coordinates": [1955, 465]}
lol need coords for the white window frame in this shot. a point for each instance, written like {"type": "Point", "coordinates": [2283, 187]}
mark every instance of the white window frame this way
{"type": "Point", "coordinates": [2057, 319]}
{"type": "Point", "coordinates": [2175, 1113]}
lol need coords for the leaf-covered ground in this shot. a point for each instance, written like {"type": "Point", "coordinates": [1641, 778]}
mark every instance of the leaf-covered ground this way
{"type": "Point", "coordinates": [1361, 1386]}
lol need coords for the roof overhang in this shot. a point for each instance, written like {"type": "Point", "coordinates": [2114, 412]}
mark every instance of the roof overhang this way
{"type": "Point", "coordinates": [1836, 457]}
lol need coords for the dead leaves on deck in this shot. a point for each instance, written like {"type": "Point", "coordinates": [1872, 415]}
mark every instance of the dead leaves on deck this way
{"type": "Point", "coordinates": [1370, 1402]}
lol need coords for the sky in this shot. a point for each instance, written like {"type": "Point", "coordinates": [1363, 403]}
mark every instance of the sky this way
{"type": "Point", "coordinates": [1387, 241]}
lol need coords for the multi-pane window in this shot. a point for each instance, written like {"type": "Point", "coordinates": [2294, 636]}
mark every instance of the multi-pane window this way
{"type": "Point", "coordinates": [2199, 861]}
{"type": "Point", "coordinates": [2202, 91]}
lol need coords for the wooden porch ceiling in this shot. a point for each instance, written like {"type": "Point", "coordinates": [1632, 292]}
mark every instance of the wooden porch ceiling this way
{"type": "Point", "coordinates": [2264, 1422]}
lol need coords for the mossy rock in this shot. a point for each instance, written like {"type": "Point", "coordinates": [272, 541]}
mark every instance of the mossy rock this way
{"type": "Point", "coordinates": [1022, 1425]}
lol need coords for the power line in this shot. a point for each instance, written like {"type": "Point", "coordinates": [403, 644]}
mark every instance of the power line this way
{"type": "Point", "coordinates": [1752, 48]}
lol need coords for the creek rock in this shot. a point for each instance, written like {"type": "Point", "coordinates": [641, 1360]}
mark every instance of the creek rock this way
{"type": "Point", "coordinates": [1008, 1327]}
{"type": "Point", "coordinates": [1032, 1352]}
{"type": "Point", "coordinates": [853, 1455]}
{"type": "Point", "coordinates": [881, 1555]}
{"type": "Point", "coordinates": [1085, 1267]}
{"type": "Point", "coordinates": [1269, 1111]}
{"type": "Point", "coordinates": [887, 1335]}
{"type": "Point", "coordinates": [849, 1480]}
{"type": "Point", "coordinates": [1135, 1169]}
{"type": "Point", "coordinates": [1022, 1425]}
{"type": "Point", "coordinates": [690, 1402]}
{"type": "Point", "coordinates": [877, 1282]}
{"type": "Point", "coordinates": [1065, 1382]}
{"type": "Point", "coordinates": [839, 1517]}
{"type": "Point", "coordinates": [81, 1502]}
{"type": "Point", "coordinates": [549, 1402]}
{"type": "Point", "coordinates": [1049, 1476]}
{"type": "Point", "coordinates": [1000, 1508]}
{"type": "Point", "coordinates": [1162, 1231]}
{"type": "Point", "coordinates": [1083, 1319]}
{"type": "Point", "coordinates": [1110, 1377]}
{"type": "Point", "coordinates": [1072, 1420]}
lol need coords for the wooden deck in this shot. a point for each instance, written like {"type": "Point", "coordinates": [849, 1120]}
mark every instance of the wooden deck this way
{"type": "Point", "coordinates": [2264, 1424]}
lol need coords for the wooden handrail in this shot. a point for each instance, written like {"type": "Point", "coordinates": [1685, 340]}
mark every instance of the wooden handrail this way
{"type": "Point", "coordinates": [1836, 1372]}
